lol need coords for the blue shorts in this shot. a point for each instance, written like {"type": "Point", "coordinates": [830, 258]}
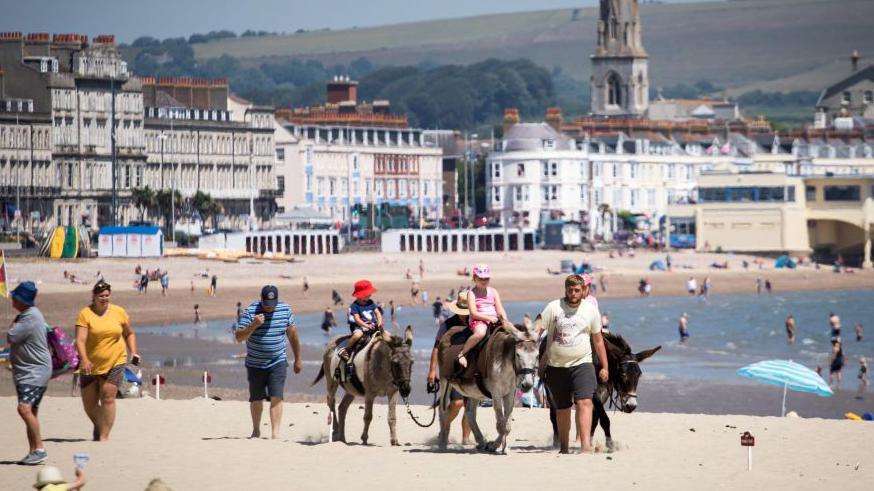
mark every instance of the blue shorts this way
{"type": "Point", "coordinates": [266, 383]}
{"type": "Point", "coordinates": [30, 395]}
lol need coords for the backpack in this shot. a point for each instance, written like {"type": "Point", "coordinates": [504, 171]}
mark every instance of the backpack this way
{"type": "Point", "coordinates": [64, 355]}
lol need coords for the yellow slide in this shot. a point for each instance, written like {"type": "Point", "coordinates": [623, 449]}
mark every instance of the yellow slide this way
{"type": "Point", "coordinates": [58, 238]}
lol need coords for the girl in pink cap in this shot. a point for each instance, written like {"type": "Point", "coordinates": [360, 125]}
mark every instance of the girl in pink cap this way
{"type": "Point", "coordinates": [485, 308]}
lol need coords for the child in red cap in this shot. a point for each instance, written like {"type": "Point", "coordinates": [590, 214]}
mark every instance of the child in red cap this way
{"type": "Point", "coordinates": [364, 317]}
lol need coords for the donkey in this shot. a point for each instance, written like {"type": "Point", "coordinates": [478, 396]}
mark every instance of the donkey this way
{"type": "Point", "coordinates": [381, 369]}
{"type": "Point", "coordinates": [507, 360]}
{"type": "Point", "coordinates": [621, 388]}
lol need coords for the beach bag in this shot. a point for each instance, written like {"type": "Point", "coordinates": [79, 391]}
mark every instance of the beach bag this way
{"type": "Point", "coordinates": [64, 356]}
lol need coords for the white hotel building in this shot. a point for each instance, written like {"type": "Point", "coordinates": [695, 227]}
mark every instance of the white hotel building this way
{"type": "Point", "coordinates": [538, 173]}
{"type": "Point", "coordinates": [345, 153]}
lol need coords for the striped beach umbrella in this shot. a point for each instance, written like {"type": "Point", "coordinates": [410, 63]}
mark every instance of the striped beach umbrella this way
{"type": "Point", "coordinates": [789, 375]}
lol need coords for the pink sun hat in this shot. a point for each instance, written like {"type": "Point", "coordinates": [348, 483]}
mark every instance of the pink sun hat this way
{"type": "Point", "coordinates": [482, 271]}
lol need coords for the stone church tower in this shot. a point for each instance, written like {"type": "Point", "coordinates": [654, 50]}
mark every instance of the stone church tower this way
{"type": "Point", "coordinates": [620, 83]}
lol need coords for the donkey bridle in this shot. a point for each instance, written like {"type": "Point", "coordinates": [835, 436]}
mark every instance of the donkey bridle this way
{"type": "Point", "coordinates": [618, 401]}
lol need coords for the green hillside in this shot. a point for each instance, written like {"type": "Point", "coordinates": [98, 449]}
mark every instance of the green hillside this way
{"type": "Point", "coordinates": [744, 45]}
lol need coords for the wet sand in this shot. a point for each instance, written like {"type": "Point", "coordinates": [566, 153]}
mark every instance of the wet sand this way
{"type": "Point", "coordinates": [518, 276]}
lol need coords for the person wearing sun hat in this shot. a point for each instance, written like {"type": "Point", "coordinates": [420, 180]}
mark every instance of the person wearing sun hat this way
{"type": "Point", "coordinates": [50, 479]}
{"type": "Point", "coordinates": [365, 317]}
{"type": "Point", "coordinates": [460, 318]}
{"type": "Point", "coordinates": [31, 363]}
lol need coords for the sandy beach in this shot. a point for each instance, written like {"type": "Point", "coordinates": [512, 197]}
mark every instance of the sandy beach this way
{"type": "Point", "coordinates": [519, 277]}
{"type": "Point", "coordinates": [202, 444]}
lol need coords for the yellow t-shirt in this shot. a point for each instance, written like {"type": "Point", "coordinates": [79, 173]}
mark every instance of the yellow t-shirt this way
{"type": "Point", "coordinates": [105, 344]}
{"type": "Point", "coordinates": [569, 332]}
{"type": "Point", "coordinates": [54, 487]}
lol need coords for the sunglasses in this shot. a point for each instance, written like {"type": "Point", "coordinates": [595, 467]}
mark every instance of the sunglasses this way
{"type": "Point", "coordinates": [101, 287]}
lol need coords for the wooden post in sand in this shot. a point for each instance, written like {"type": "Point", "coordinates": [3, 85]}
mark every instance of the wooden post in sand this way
{"type": "Point", "coordinates": [158, 381]}
{"type": "Point", "coordinates": [207, 378]}
{"type": "Point", "coordinates": [747, 440]}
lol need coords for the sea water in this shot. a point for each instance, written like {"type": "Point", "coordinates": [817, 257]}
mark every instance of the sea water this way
{"type": "Point", "coordinates": [727, 331]}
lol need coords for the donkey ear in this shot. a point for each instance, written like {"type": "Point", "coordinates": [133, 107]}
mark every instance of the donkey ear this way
{"type": "Point", "coordinates": [408, 335]}
{"type": "Point", "coordinates": [386, 336]}
{"type": "Point", "coordinates": [538, 324]}
{"type": "Point", "coordinates": [643, 355]}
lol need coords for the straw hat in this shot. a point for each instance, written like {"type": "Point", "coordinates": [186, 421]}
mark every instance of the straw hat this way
{"type": "Point", "coordinates": [48, 475]}
{"type": "Point", "coordinates": [459, 306]}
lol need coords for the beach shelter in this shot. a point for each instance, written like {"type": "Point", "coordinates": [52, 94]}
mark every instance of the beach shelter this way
{"type": "Point", "coordinates": [139, 241]}
{"type": "Point", "coordinates": [789, 375]}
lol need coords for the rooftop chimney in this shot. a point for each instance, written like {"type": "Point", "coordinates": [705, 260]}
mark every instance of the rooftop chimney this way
{"type": "Point", "coordinates": [341, 89]}
{"type": "Point", "coordinates": [553, 118]}
{"type": "Point", "coordinates": [511, 117]}
{"type": "Point", "coordinates": [854, 59]}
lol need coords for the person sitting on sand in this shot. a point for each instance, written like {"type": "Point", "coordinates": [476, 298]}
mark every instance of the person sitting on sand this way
{"type": "Point", "coordinates": [485, 308]}
{"type": "Point", "coordinates": [364, 317]}
{"type": "Point", "coordinates": [335, 296]}
{"type": "Point", "coordinates": [50, 479]}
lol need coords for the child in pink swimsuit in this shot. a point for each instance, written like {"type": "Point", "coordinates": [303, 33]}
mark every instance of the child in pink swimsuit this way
{"type": "Point", "coordinates": [485, 308]}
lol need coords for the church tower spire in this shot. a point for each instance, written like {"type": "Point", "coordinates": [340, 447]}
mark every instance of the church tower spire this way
{"type": "Point", "coordinates": [620, 83]}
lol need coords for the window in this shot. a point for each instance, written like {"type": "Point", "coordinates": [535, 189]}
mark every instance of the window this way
{"type": "Point", "coordinates": [280, 154]}
{"type": "Point", "coordinates": [633, 171]}
{"type": "Point", "coordinates": [496, 170]}
{"type": "Point", "coordinates": [869, 97]}
{"type": "Point", "coordinates": [810, 193]}
{"type": "Point", "coordinates": [280, 186]}
{"type": "Point", "coordinates": [544, 167]}
{"type": "Point", "coordinates": [553, 193]}
{"type": "Point", "coordinates": [320, 186]}
{"type": "Point", "coordinates": [634, 193]}
{"type": "Point", "coordinates": [790, 193]}
{"type": "Point", "coordinates": [309, 183]}
{"type": "Point", "coordinates": [842, 193]}
{"type": "Point", "coordinates": [496, 194]}
{"type": "Point", "coordinates": [549, 144]}
{"type": "Point", "coordinates": [845, 97]}
{"type": "Point", "coordinates": [518, 193]}
{"type": "Point", "coordinates": [520, 170]}
{"type": "Point", "coordinates": [614, 90]}
{"type": "Point", "coordinates": [615, 170]}
{"type": "Point", "coordinates": [355, 167]}
{"type": "Point", "coordinates": [596, 169]}
{"type": "Point", "coordinates": [553, 168]}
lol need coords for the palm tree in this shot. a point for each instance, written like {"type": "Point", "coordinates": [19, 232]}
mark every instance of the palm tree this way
{"type": "Point", "coordinates": [144, 199]}
{"type": "Point", "coordinates": [164, 200]}
{"type": "Point", "coordinates": [206, 206]}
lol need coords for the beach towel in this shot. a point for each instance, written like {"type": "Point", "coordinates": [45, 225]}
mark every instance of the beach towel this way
{"type": "Point", "coordinates": [64, 356]}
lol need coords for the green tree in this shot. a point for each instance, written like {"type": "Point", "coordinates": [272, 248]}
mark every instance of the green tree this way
{"type": "Point", "coordinates": [144, 199]}
{"type": "Point", "coordinates": [163, 199]}
{"type": "Point", "coordinates": [207, 207]}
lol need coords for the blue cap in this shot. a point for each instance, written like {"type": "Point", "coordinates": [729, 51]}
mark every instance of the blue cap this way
{"type": "Point", "coordinates": [269, 296]}
{"type": "Point", "coordinates": [25, 293]}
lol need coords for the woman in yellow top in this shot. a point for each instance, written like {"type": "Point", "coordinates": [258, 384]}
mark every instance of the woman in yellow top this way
{"type": "Point", "coordinates": [102, 331]}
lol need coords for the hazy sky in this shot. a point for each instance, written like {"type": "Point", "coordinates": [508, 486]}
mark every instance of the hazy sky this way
{"type": "Point", "coordinates": [129, 19]}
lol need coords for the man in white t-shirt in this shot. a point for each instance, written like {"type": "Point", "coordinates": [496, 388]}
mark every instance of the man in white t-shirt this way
{"type": "Point", "coordinates": [573, 327]}
{"type": "Point", "coordinates": [691, 286]}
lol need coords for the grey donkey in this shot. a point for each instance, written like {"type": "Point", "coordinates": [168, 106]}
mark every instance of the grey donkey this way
{"type": "Point", "coordinates": [507, 361]}
{"type": "Point", "coordinates": [383, 367]}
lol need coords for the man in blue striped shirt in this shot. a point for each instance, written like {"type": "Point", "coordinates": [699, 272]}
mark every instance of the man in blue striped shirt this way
{"type": "Point", "coordinates": [264, 326]}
